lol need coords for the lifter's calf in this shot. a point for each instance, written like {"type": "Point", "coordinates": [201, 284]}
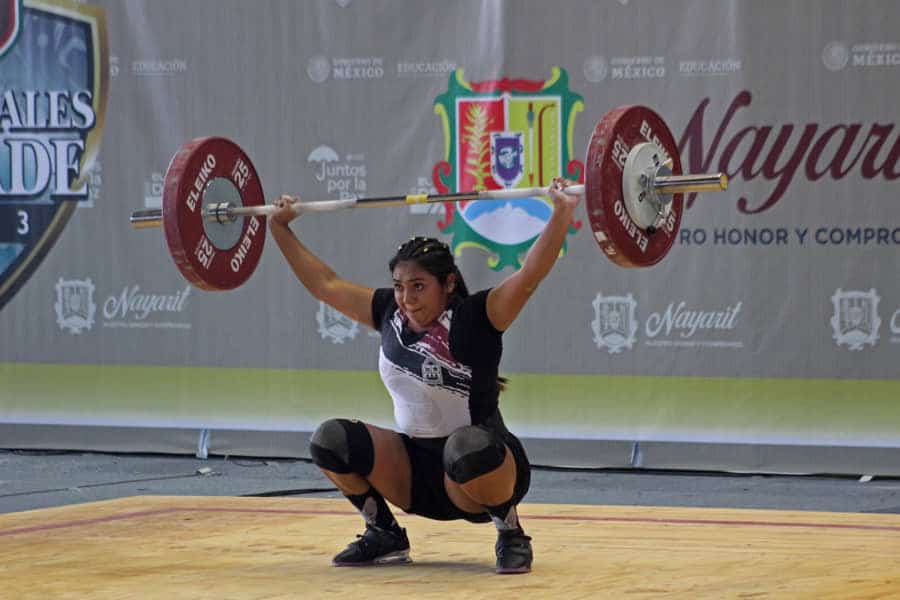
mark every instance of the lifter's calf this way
{"type": "Point", "coordinates": [478, 462]}
{"type": "Point", "coordinates": [343, 449]}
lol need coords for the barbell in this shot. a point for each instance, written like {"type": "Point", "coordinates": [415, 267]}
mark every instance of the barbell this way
{"type": "Point", "coordinates": [213, 209]}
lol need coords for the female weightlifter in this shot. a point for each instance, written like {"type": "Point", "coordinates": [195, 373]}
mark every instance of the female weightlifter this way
{"type": "Point", "coordinates": [453, 457]}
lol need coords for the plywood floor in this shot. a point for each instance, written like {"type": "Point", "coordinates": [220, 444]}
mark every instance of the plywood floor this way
{"type": "Point", "coordinates": [254, 548]}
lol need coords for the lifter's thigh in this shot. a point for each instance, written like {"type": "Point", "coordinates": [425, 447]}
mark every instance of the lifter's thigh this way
{"type": "Point", "coordinates": [391, 471]}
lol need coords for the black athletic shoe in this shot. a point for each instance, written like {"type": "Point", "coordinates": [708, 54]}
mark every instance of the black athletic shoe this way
{"type": "Point", "coordinates": [375, 547]}
{"type": "Point", "coordinates": [513, 552]}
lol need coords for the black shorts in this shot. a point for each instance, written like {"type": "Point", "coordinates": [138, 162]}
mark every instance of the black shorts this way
{"type": "Point", "coordinates": [429, 497]}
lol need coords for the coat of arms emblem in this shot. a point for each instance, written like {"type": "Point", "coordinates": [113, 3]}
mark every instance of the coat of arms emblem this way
{"type": "Point", "coordinates": [504, 134]}
{"type": "Point", "coordinates": [614, 324]}
{"type": "Point", "coordinates": [855, 321]}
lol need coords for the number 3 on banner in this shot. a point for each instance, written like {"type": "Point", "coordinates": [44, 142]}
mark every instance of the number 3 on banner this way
{"type": "Point", "coordinates": [22, 228]}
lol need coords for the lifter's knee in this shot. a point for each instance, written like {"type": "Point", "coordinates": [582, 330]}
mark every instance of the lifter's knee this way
{"type": "Point", "coordinates": [343, 446]}
{"type": "Point", "coordinates": [471, 452]}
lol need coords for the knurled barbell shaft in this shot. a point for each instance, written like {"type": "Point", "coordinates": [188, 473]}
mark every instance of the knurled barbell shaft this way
{"type": "Point", "coordinates": [669, 184]}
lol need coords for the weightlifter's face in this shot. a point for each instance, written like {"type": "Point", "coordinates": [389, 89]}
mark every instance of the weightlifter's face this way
{"type": "Point", "coordinates": [419, 294]}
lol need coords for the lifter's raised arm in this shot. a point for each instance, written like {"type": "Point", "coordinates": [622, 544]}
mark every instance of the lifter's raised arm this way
{"type": "Point", "coordinates": [323, 283]}
{"type": "Point", "coordinates": [505, 301]}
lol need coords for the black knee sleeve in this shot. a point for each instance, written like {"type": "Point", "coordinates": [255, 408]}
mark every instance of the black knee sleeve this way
{"type": "Point", "coordinates": [471, 452]}
{"type": "Point", "coordinates": [343, 446]}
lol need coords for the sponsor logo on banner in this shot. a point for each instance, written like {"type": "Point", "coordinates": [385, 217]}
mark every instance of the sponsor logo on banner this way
{"type": "Point", "coordinates": [709, 68]}
{"type": "Point", "coordinates": [54, 61]}
{"type": "Point", "coordinates": [595, 68]}
{"type": "Point", "coordinates": [637, 67]}
{"type": "Point", "coordinates": [74, 305]}
{"type": "Point", "coordinates": [131, 308]}
{"type": "Point", "coordinates": [680, 324]}
{"type": "Point", "coordinates": [837, 55]}
{"type": "Point", "coordinates": [615, 323]}
{"type": "Point", "coordinates": [135, 308]}
{"type": "Point", "coordinates": [342, 177]}
{"type": "Point", "coordinates": [417, 68]}
{"type": "Point", "coordinates": [153, 190]}
{"type": "Point", "coordinates": [320, 67]}
{"type": "Point", "coordinates": [508, 133]}
{"type": "Point", "coordinates": [159, 67]}
{"type": "Point", "coordinates": [855, 321]}
{"type": "Point", "coordinates": [334, 325]}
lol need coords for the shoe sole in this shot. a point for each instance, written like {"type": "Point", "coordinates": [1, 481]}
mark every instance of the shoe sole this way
{"type": "Point", "coordinates": [513, 571]}
{"type": "Point", "coordinates": [393, 558]}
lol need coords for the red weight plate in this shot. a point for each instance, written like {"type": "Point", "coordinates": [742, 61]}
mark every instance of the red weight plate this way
{"type": "Point", "coordinates": [192, 168]}
{"type": "Point", "coordinates": [618, 235]}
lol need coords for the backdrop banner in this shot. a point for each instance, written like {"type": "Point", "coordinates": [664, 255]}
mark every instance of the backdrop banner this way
{"type": "Point", "coordinates": [774, 320]}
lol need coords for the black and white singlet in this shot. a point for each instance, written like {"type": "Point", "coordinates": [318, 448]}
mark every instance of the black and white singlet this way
{"type": "Point", "coordinates": [442, 378]}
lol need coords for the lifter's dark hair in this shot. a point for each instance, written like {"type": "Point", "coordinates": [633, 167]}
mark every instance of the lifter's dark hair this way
{"type": "Point", "coordinates": [435, 256]}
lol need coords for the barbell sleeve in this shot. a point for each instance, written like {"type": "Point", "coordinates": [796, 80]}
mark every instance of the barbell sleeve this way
{"type": "Point", "coordinates": [146, 218]}
{"type": "Point", "coordinates": [688, 184]}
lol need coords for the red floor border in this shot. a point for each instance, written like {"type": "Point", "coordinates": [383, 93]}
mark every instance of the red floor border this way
{"type": "Point", "coordinates": [525, 517]}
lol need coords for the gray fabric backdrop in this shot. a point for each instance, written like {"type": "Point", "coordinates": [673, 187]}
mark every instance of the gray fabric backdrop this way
{"type": "Point", "coordinates": [795, 101]}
